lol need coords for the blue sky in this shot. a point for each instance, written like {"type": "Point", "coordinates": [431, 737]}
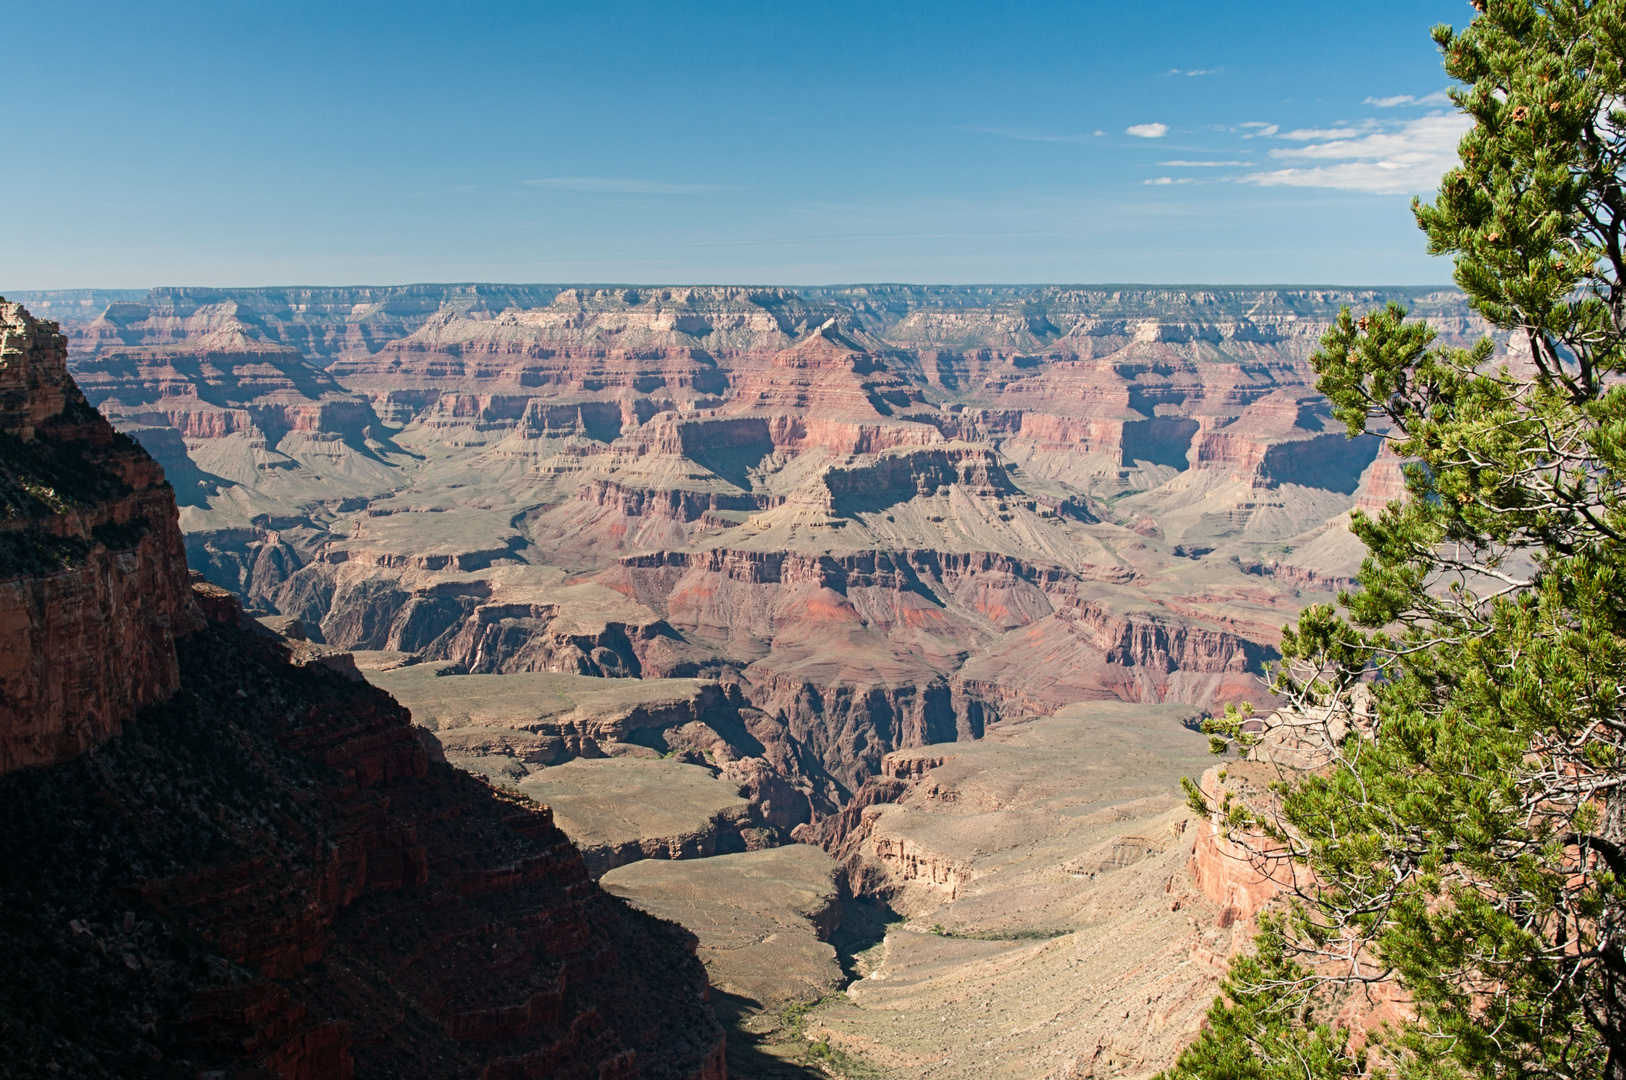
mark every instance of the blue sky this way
{"type": "Point", "coordinates": [337, 143]}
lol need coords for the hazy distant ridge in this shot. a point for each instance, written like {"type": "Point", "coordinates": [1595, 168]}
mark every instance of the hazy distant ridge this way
{"type": "Point", "coordinates": [1202, 302]}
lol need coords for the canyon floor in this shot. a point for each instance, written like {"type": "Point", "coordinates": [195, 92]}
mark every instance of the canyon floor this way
{"type": "Point", "coordinates": [1053, 928]}
{"type": "Point", "coordinates": [1039, 915]}
{"type": "Point", "coordinates": [863, 631]}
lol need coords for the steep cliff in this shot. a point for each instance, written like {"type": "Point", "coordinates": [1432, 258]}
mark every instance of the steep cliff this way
{"type": "Point", "coordinates": [93, 586]}
{"type": "Point", "coordinates": [310, 896]}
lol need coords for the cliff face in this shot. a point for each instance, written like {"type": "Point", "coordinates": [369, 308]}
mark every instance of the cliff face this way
{"type": "Point", "coordinates": [1237, 876]}
{"type": "Point", "coordinates": [311, 897]}
{"type": "Point", "coordinates": [235, 859]}
{"type": "Point", "coordinates": [93, 587]}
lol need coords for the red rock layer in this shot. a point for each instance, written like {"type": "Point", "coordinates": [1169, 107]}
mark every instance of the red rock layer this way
{"type": "Point", "coordinates": [220, 384]}
{"type": "Point", "coordinates": [93, 585]}
{"type": "Point", "coordinates": [826, 373]}
{"type": "Point", "coordinates": [1235, 875]}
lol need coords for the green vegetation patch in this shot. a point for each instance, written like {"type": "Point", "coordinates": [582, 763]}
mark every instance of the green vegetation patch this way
{"type": "Point", "coordinates": [999, 935]}
{"type": "Point", "coordinates": [43, 477]}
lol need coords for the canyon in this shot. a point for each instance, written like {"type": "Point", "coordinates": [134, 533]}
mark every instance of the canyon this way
{"type": "Point", "coordinates": [885, 515]}
{"type": "Point", "coordinates": [861, 630]}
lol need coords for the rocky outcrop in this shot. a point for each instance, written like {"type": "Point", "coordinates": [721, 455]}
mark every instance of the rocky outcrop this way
{"type": "Point", "coordinates": [899, 476]}
{"type": "Point", "coordinates": [906, 862]}
{"type": "Point", "coordinates": [93, 585]}
{"type": "Point", "coordinates": [312, 897]}
{"type": "Point", "coordinates": [1241, 871]}
{"type": "Point", "coordinates": [675, 505]}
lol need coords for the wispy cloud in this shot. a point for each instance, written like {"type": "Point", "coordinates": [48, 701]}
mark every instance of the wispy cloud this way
{"type": "Point", "coordinates": [1195, 71]}
{"type": "Point", "coordinates": [624, 186]}
{"type": "Point", "coordinates": [1026, 135]}
{"type": "Point", "coordinates": [1439, 97]}
{"type": "Point", "coordinates": [1405, 160]}
{"type": "Point", "coordinates": [1147, 131]}
{"type": "Point", "coordinates": [1258, 129]}
{"type": "Point", "coordinates": [1161, 181]}
{"type": "Point", "coordinates": [1306, 134]}
{"type": "Point", "coordinates": [1205, 164]}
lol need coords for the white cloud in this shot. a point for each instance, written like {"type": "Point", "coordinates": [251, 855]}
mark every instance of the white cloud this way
{"type": "Point", "coordinates": [1205, 164]}
{"type": "Point", "coordinates": [1195, 71]}
{"type": "Point", "coordinates": [1406, 160]}
{"type": "Point", "coordinates": [624, 187]}
{"type": "Point", "coordinates": [1147, 131]}
{"type": "Point", "coordinates": [1306, 134]}
{"type": "Point", "coordinates": [1160, 181]}
{"type": "Point", "coordinates": [1439, 97]}
{"type": "Point", "coordinates": [1259, 129]}
{"type": "Point", "coordinates": [1099, 132]}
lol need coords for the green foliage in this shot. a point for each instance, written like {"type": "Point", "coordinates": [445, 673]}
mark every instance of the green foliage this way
{"type": "Point", "coordinates": [998, 935]}
{"type": "Point", "coordinates": [1467, 831]}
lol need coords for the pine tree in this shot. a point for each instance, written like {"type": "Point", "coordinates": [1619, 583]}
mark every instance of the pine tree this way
{"type": "Point", "coordinates": [1468, 836]}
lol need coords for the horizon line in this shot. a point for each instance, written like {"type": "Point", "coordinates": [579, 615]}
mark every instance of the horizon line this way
{"type": "Point", "coordinates": [564, 284]}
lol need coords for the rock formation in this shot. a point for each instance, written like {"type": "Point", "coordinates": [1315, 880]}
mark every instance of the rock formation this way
{"type": "Point", "coordinates": [93, 585]}
{"type": "Point", "coordinates": [881, 514]}
{"type": "Point", "coordinates": [927, 576]}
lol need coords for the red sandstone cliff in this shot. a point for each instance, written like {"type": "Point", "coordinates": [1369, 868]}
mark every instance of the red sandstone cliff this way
{"type": "Point", "coordinates": [93, 586]}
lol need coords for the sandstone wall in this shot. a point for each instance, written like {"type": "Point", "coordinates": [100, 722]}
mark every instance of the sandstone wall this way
{"type": "Point", "coordinates": [93, 583]}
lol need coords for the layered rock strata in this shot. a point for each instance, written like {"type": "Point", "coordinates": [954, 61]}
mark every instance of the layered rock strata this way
{"type": "Point", "coordinates": [883, 515]}
{"type": "Point", "coordinates": [93, 584]}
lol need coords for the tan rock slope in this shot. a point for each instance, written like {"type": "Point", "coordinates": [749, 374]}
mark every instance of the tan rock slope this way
{"type": "Point", "coordinates": [764, 918]}
{"type": "Point", "coordinates": [1054, 928]}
